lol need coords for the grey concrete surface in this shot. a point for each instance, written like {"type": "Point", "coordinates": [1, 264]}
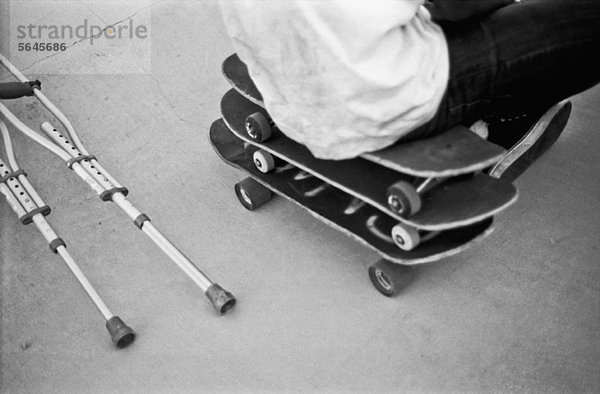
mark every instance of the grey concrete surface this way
{"type": "Point", "coordinates": [518, 313]}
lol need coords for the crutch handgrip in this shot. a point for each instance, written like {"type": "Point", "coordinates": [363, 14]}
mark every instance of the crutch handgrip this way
{"type": "Point", "coordinates": [221, 299]}
{"type": "Point", "coordinates": [15, 90]}
{"type": "Point", "coordinates": [122, 335]}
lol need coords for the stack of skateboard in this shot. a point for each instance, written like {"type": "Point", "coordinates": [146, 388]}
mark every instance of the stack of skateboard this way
{"type": "Point", "coordinates": [411, 203]}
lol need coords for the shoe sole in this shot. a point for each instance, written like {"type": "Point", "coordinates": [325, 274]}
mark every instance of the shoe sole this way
{"type": "Point", "coordinates": [534, 143]}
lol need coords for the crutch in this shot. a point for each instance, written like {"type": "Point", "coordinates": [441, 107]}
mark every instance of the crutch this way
{"type": "Point", "coordinates": [69, 148]}
{"type": "Point", "coordinates": [30, 208]}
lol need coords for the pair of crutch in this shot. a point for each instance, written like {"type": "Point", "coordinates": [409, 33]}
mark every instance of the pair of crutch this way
{"type": "Point", "coordinates": [30, 208]}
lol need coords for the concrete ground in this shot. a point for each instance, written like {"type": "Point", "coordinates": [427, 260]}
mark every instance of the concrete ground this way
{"type": "Point", "coordinates": [520, 312]}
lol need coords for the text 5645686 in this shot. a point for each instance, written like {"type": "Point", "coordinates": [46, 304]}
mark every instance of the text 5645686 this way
{"type": "Point", "coordinates": [42, 47]}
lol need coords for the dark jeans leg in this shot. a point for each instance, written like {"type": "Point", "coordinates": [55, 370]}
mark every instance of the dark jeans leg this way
{"type": "Point", "coordinates": [526, 56]}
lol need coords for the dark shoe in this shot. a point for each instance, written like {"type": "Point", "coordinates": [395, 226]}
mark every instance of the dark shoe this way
{"type": "Point", "coordinates": [523, 150]}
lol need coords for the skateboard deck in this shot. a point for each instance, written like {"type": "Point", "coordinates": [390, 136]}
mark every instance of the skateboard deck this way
{"type": "Point", "coordinates": [337, 209]}
{"type": "Point", "coordinates": [236, 73]}
{"type": "Point", "coordinates": [458, 202]}
{"type": "Point", "coordinates": [455, 152]}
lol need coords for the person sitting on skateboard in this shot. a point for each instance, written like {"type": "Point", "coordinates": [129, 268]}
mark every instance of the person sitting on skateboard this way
{"type": "Point", "coordinates": [344, 77]}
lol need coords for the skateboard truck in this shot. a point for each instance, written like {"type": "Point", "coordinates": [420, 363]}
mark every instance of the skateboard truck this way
{"type": "Point", "coordinates": [405, 199]}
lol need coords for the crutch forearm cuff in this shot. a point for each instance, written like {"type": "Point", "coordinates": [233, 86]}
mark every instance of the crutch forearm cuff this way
{"type": "Point", "coordinates": [78, 159]}
{"type": "Point", "coordinates": [37, 84]}
{"type": "Point", "coordinates": [107, 195]}
{"type": "Point", "coordinates": [28, 217]}
{"type": "Point", "coordinates": [13, 174]}
{"type": "Point", "coordinates": [56, 243]}
{"type": "Point", "coordinates": [140, 220]}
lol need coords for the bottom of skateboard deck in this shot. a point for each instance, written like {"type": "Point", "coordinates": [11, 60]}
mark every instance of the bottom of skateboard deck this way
{"type": "Point", "coordinates": [457, 202]}
{"type": "Point", "coordinates": [341, 211]}
{"type": "Point", "coordinates": [455, 152]}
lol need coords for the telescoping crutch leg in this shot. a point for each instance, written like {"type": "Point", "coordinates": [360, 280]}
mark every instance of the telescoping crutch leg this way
{"type": "Point", "coordinates": [69, 148]}
{"type": "Point", "coordinates": [30, 208]}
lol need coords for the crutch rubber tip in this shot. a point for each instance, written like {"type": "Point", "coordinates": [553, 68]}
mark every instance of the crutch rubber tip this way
{"type": "Point", "coordinates": [122, 335]}
{"type": "Point", "coordinates": [221, 300]}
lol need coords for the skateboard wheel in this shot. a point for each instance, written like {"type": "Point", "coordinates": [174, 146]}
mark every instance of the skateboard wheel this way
{"type": "Point", "coordinates": [405, 237]}
{"type": "Point", "coordinates": [258, 127]}
{"type": "Point", "coordinates": [403, 199]}
{"type": "Point", "coordinates": [389, 278]}
{"type": "Point", "coordinates": [263, 161]}
{"type": "Point", "coordinates": [252, 194]}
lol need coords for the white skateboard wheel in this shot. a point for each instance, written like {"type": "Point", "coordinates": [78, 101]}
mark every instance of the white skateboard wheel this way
{"type": "Point", "coordinates": [405, 237]}
{"type": "Point", "coordinates": [252, 194]}
{"type": "Point", "coordinates": [263, 161]}
{"type": "Point", "coordinates": [258, 127]}
{"type": "Point", "coordinates": [389, 278]}
{"type": "Point", "coordinates": [403, 199]}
